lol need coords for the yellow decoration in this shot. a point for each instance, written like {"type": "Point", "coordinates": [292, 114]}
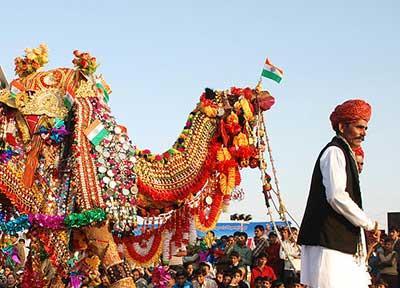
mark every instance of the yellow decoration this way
{"type": "Point", "coordinates": [223, 154]}
{"type": "Point", "coordinates": [240, 140]}
{"type": "Point", "coordinates": [232, 118]}
{"type": "Point", "coordinates": [6, 98]}
{"type": "Point", "coordinates": [93, 262]}
{"type": "Point", "coordinates": [227, 182]}
{"type": "Point", "coordinates": [248, 115]}
{"type": "Point", "coordinates": [45, 102]}
{"type": "Point", "coordinates": [209, 111]}
{"type": "Point", "coordinates": [85, 90]}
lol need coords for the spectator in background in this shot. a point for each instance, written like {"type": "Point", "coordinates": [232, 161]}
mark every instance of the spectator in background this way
{"type": "Point", "coordinates": [20, 247]}
{"type": "Point", "coordinates": [8, 270]}
{"type": "Point", "coordinates": [262, 269]}
{"type": "Point", "coordinates": [267, 282]}
{"type": "Point", "coordinates": [137, 276]}
{"type": "Point", "coordinates": [237, 281]}
{"type": "Point", "coordinates": [279, 284]}
{"type": "Point", "coordinates": [3, 281]}
{"type": "Point", "coordinates": [387, 264]}
{"type": "Point", "coordinates": [189, 271]}
{"type": "Point", "coordinates": [380, 284]}
{"type": "Point", "coordinates": [224, 260]}
{"type": "Point", "coordinates": [217, 250]}
{"type": "Point", "coordinates": [290, 253]}
{"type": "Point", "coordinates": [257, 282]}
{"type": "Point", "coordinates": [181, 280]}
{"type": "Point", "coordinates": [11, 280]}
{"type": "Point", "coordinates": [394, 234]}
{"type": "Point", "coordinates": [273, 250]}
{"type": "Point", "coordinates": [219, 278]}
{"type": "Point", "coordinates": [294, 285]}
{"type": "Point", "coordinates": [260, 241]}
{"type": "Point", "coordinates": [242, 249]}
{"type": "Point", "coordinates": [207, 267]}
{"type": "Point", "coordinates": [201, 281]}
{"type": "Point", "coordinates": [235, 260]}
{"type": "Point", "coordinates": [227, 279]}
{"type": "Point", "coordinates": [359, 155]}
{"type": "Point", "coordinates": [244, 276]}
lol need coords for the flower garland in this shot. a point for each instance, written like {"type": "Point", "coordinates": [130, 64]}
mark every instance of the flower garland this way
{"type": "Point", "coordinates": [206, 222]}
{"type": "Point", "coordinates": [143, 256]}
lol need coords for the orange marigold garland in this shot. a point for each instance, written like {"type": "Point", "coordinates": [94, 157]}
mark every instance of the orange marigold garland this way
{"type": "Point", "coordinates": [208, 221]}
{"type": "Point", "coordinates": [151, 247]}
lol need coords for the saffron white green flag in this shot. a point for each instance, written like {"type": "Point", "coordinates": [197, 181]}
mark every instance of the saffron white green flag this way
{"type": "Point", "coordinates": [103, 91]}
{"type": "Point", "coordinates": [96, 132]}
{"type": "Point", "coordinates": [69, 98]}
{"type": "Point", "coordinates": [16, 88]}
{"type": "Point", "coordinates": [272, 72]}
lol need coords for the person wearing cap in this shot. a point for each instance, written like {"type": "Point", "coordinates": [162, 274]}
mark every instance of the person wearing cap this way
{"type": "Point", "coordinates": [359, 155]}
{"type": "Point", "coordinates": [331, 232]}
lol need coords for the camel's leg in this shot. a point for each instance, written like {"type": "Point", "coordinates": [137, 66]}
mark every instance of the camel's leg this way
{"type": "Point", "coordinates": [101, 242]}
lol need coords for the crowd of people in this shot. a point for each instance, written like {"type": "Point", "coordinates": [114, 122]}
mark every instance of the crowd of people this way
{"type": "Point", "coordinates": [265, 260]}
{"type": "Point", "coordinates": [268, 259]}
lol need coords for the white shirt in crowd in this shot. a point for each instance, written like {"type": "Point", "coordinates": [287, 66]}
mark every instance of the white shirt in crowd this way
{"type": "Point", "coordinates": [290, 252]}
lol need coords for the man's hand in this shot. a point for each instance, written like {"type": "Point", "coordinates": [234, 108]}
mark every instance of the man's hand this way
{"type": "Point", "coordinates": [377, 232]}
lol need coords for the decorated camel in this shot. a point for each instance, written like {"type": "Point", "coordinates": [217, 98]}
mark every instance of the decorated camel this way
{"type": "Point", "coordinates": [70, 175]}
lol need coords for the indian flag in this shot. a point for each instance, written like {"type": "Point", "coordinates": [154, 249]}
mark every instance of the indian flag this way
{"type": "Point", "coordinates": [272, 72]}
{"type": "Point", "coordinates": [103, 91]}
{"type": "Point", "coordinates": [16, 88]}
{"type": "Point", "coordinates": [69, 98]}
{"type": "Point", "coordinates": [96, 132]}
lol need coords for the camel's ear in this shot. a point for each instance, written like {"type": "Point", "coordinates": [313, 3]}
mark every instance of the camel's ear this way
{"type": "Point", "coordinates": [3, 80]}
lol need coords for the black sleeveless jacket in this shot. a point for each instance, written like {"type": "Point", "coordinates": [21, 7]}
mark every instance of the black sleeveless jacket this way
{"type": "Point", "coordinates": [323, 226]}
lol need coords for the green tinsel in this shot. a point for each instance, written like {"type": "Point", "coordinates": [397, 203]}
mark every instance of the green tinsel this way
{"type": "Point", "coordinates": [77, 220]}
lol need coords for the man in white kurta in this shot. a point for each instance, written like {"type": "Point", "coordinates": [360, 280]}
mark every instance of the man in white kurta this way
{"type": "Point", "coordinates": [324, 267]}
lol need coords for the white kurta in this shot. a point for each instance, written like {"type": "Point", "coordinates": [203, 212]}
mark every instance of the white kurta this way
{"type": "Point", "coordinates": [327, 268]}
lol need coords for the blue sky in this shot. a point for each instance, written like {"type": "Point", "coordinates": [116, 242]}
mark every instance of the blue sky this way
{"type": "Point", "coordinates": [158, 56]}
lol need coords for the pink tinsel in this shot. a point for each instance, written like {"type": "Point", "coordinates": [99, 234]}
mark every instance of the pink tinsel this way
{"type": "Point", "coordinates": [47, 221]}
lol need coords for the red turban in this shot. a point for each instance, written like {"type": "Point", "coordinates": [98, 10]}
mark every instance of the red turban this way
{"type": "Point", "coordinates": [350, 111]}
{"type": "Point", "coordinates": [359, 151]}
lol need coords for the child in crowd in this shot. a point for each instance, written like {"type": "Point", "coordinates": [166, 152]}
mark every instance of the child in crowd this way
{"type": "Point", "coordinates": [387, 264]}
{"type": "Point", "coordinates": [237, 281]}
{"type": "Point", "coordinates": [219, 278]}
{"type": "Point", "coordinates": [262, 269]}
